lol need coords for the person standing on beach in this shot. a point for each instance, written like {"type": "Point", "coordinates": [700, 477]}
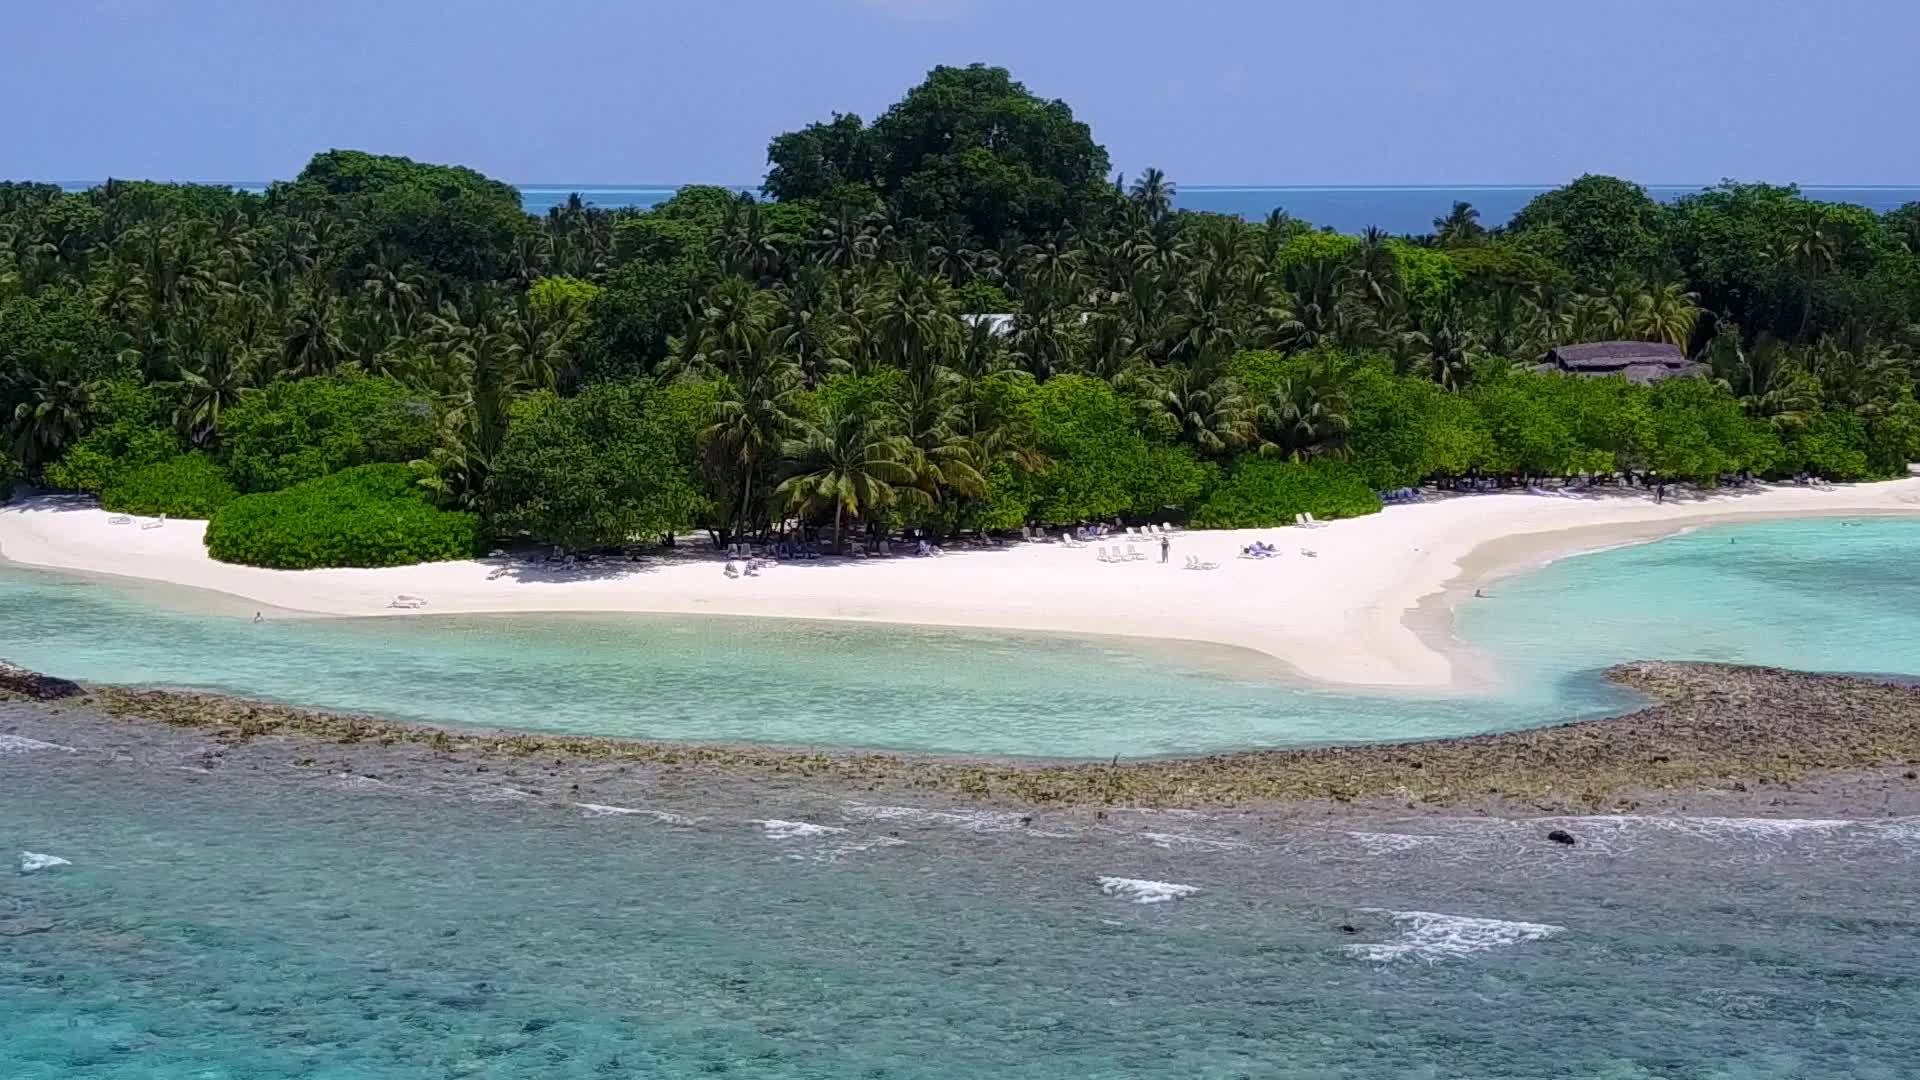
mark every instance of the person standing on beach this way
{"type": "Point", "coordinates": [1165, 547]}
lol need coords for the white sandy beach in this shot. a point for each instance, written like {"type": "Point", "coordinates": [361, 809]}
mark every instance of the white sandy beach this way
{"type": "Point", "coordinates": [1370, 609]}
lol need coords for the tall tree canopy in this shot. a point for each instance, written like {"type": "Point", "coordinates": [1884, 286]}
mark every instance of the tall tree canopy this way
{"type": "Point", "coordinates": [968, 147]}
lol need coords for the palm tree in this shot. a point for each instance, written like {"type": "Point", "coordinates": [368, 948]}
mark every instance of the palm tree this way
{"type": "Point", "coordinates": [852, 460]}
{"type": "Point", "coordinates": [52, 415]}
{"type": "Point", "coordinates": [1665, 313]}
{"type": "Point", "coordinates": [1813, 244]}
{"type": "Point", "coordinates": [1306, 416]}
{"type": "Point", "coordinates": [1204, 405]}
{"type": "Point", "coordinates": [1459, 226]}
{"type": "Point", "coordinates": [805, 328]}
{"type": "Point", "coordinates": [943, 460]}
{"type": "Point", "coordinates": [1766, 378]}
{"type": "Point", "coordinates": [1372, 272]}
{"type": "Point", "coordinates": [313, 345]}
{"type": "Point", "coordinates": [211, 381]}
{"type": "Point", "coordinates": [1153, 192]}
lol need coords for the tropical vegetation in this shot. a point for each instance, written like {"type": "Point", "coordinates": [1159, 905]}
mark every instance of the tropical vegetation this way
{"type": "Point", "coordinates": [950, 319]}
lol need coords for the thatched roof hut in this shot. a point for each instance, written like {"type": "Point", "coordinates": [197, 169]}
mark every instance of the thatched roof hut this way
{"type": "Point", "coordinates": [1640, 361]}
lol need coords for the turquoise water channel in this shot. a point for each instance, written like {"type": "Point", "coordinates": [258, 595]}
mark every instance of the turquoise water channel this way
{"type": "Point", "coordinates": [174, 910]}
{"type": "Point", "coordinates": [1828, 595]}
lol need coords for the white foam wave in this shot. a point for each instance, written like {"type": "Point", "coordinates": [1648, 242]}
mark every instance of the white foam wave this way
{"type": "Point", "coordinates": [1146, 892]}
{"type": "Point", "coordinates": [1432, 936]}
{"type": "Point", "coordinates": [792, 830]}
{"type": "Point", "coordinates": [597, 810]}
{"type": "Point", "coordinates": [33, 861]}
{"type": "Point", "coordinates": [822, 843]}
{"type": "Point", "coordinates": [352, 782]}
{"type": "Point", "coordinates": [1379, 843]}
{"type": "Point", "coordinates": [1176, 841]}
{"type": "Point", "coordinates": [974, 821]}
{"type": "Point", "coordinates": [20, 744]}
{"type": "Point", "coordinates": [1773, 831]}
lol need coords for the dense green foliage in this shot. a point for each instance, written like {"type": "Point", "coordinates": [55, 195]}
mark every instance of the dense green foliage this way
{"type": "Point", "coordinates": [948, 320]}
{"type": "Point", "coordinates": [288, 432]}
{"type": "Point", "coordinates": [1259, 494]}
{"type": "Point", "coordinates": [130, 431]}
{"type": "Point", "coordinates": [186, 486]}
{"type": "Point", "coordinates": [607, 467]}
{"type": "Point", "coordinates": [372, 515]}
{"type": "Point", "coordinates": [11, 473]}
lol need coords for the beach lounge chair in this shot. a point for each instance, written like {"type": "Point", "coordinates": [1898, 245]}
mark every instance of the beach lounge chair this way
{"type": "Point", "coordinates": [408, 602]}
{"type": "Point", "coordinates": [1103, 556]}
{"type": "Point", "coordinates": [120, 520]}
{"type": "Point", "coordinates": [733, 569]}
{"type": "Point", "coordinates": [155, 523]}
{"type": "Point", "coordinates": [1310, 553]}
{"type": "Point", "coordinates": [1133, 554]}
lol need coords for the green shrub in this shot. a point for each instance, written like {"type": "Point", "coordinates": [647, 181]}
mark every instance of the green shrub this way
{"type": "Point", "coordinates": [187, 486]}
{"type": "Point", "coordinates": [290, 432]}
{"type": "Point", "coordinates": [1259, 494]}
{"type": "Point", "coordinates": [11, 473]}
{"type": "Point", "coordinates": [131, 430]}
{"type": "Point", "coordinates": [373, 515]}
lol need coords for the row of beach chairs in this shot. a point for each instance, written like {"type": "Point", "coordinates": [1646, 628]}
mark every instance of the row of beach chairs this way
{"type": "Point", "coordinates": [1118, 556]}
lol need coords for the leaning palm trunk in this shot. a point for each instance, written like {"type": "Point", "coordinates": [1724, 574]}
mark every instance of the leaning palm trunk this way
{"type": "Point", "coordinates": [746, 500]}
{"type": "Point", "coordinates": [839, 513]}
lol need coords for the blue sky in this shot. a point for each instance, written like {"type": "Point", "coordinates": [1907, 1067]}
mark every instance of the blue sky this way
{"type": "Point", "coordinates": [1212, 91]}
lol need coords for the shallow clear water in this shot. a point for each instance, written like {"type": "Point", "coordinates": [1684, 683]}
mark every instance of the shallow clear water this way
{"type": "Point", "coordinates": [1819, 595]}
{"type": "Point", "coordinates": [1825, 595]}
{"type": "Point", "coordinates": [229, 926]}
{"type": "Point", "coordinates": [265, 921]}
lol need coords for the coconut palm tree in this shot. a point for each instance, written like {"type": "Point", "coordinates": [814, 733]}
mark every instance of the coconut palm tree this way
{"type": "Point", "coordinates": [805, 328]}
{"type": "Point", "coordinates": [853, 460]}
{"type": "Point", "coordinates": [1306, 416]}
{"type": "Point", "coordinates": [1813, 245]}
{"type": "Point", "coordinates": [1203, 404]}
{"type": "Point", "coordinates": [1664, 313]}
{"type": "Point", "coordinates": [213, 378]}
{"type": "Point", "coordinates": [1153, 192]}
{"type": "Point", "coordinates": [1458, 226]}
{"type": "Point", "coordinates": [1372, 273]}
{"type": "Point", "coordinates": [52, 414]}
{"type": "Point", "coordinates": [1766, 377]}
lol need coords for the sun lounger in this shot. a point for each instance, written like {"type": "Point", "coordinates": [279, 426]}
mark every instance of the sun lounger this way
{"type": "Point", "coordinates": [120, 520]}
{"type": "Point", "coordinates": [1103, 556]}
{"type": "Point", "coordinates": [1132, 554]}
{"type": "Point", "coordinates": [155, 523]}
{"type": "Point", "coordinates": [408, 602]}
{"type": "Point", "coordinates": [1310, 553]}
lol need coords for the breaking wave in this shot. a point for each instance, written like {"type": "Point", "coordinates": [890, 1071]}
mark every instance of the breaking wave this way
{"type": "Point", "coordinates": [598, 810]}
{"type": "Point", "coordinates": [1146, 892]}
{"type": "Point", "coordinates": [1432, 936]}
{"type": "Point", "coordinates": [31, 861]}
{"type": "Point", "coordinates": [20, 744]}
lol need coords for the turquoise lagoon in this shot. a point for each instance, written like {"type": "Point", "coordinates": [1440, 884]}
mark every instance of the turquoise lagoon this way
{"type": "Point", "coordinates": [253, 921]}
{"type": "Point", "coordinates": [1824, 595]}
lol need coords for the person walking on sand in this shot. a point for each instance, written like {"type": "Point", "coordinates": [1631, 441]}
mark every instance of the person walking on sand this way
{"type": "Point", "coordinates": [1165, 547]}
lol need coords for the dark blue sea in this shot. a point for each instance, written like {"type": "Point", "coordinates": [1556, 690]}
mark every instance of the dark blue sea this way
{"type": "Point", "coordinates": [1348, 209]}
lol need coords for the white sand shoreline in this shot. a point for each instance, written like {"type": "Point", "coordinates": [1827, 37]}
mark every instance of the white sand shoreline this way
{"type": "Point", "coordinates": [1372, 609]}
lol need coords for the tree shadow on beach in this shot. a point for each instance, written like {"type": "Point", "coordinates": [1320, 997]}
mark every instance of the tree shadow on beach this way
{"type": "Point", "coordinates": [536, 566]}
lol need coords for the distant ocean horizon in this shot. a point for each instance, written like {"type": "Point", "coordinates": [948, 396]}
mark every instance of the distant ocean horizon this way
{"type": "Point", "coordinates": [1347, 208]}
